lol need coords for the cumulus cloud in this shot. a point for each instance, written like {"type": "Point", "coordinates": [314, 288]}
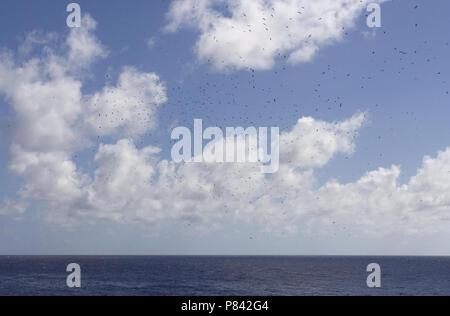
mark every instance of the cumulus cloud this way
{"type": "Point", "coordinates": [313, 143]}
{"type": "Point", "coordinates": [379, 203]}
{"type": "Point", "coordinates": [83, 47]}
{"type": "Point", "coordinates": [252, 33]}
{"type": "Point", "coordinates": [121, 189]}
{"type": "Point", "coordinates": [128, 109]}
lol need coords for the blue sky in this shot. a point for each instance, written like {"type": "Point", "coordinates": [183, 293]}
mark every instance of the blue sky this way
{"type": "Point", "coordinates": [399, 75]}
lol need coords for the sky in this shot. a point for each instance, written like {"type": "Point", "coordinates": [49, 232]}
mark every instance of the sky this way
{"type": "Point", "coordinates": [86, 116]}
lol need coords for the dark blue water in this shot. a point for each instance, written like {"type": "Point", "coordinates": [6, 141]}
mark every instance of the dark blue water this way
{"type": "Point", "coordinates": [228, 276]}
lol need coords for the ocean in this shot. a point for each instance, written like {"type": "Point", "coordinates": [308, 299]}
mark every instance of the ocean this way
{"type": "Point", "coordinates": [224, 276]}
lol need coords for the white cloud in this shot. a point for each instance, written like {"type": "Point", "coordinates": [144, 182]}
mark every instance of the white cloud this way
{"type": "Point", "coordinates": [313, 143]}
{"type": "Point", "coordinates": [252, 33]}
{"type": "Point", "coordinates": [35, 38]}
{"type": "Point", "coordinates": [13, 209]}
{"type": "Point", "coordinates": [121, 189]}
{"type": "Point", "coordinates": [129, 109]}
{"type": "Point", "coordinates": [378, 203]}
{"type": "Point", "coordinates": [83, 47]}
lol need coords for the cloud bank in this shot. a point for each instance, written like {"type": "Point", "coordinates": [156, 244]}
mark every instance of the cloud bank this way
{"type": "Point", "coordinates": [54, 120]}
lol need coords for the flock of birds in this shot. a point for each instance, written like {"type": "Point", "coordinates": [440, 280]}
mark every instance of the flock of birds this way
{"type": "Point", "coordinates": [229, 100]}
